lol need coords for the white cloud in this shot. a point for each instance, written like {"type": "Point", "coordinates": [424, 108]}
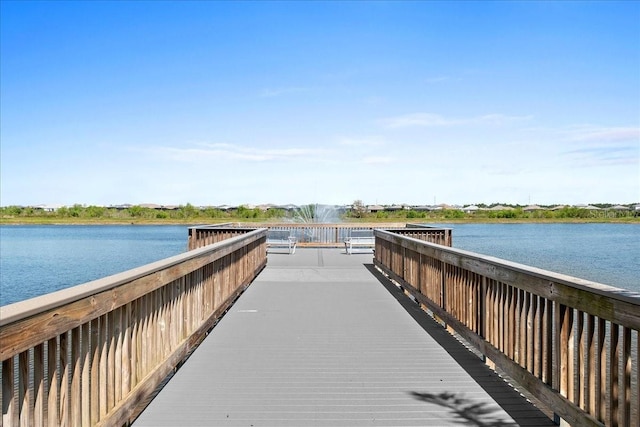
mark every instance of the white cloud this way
{"type": "Point", "coordinates": [605, 155]}
{"type": "Point", "coordinates": [603, 134]}
{"type": "Point", "coordinates": [591, 146]}
{"type": "Point", "coordinates": [437, 120]}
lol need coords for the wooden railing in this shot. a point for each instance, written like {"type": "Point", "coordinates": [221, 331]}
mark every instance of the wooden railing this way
{"type": "Point", "coordinates": [316, 234]}
{"type": "Point", "coordinates": [204, 235]}
{"type": "Point", "coordinates": [89, 355]}
{"type": "Point", "coordinates": [441, 236]}
{"type": "Point", "coordinates": [573, 344]}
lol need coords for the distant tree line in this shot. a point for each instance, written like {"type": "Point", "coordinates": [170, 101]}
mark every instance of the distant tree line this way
{"type": "Point", "coordinates": [183, 212]}
{"type": "Point", "coordinates": [515, 213]}
{"type": "Point", "coordinates": [358, 211]}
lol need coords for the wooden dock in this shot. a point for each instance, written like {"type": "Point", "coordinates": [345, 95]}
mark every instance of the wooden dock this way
{"type": "Point", "coordinates": [321, 338]}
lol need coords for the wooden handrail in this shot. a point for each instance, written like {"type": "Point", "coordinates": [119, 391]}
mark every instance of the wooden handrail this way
{"type": "Point", "coordinates": [572, 343]}
{"type": "Point", "coordinates": [204, 235]}
{"type": "Point", "coordinates": [316, 234]}
{"type": "Point", "coordinates": [88, 355]}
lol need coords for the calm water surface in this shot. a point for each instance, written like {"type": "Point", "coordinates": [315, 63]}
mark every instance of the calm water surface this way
{"type": "Point", "coordinates": [35, 260]}
{"type": "Point", "coordinates": [38, 259]}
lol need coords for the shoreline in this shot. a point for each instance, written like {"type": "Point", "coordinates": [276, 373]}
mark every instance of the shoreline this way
{"type": "Point", "coordinates": [76, 221]}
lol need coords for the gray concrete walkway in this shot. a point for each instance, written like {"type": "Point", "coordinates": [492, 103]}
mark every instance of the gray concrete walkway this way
{"type": "Point", "coordinates": [319, 339]}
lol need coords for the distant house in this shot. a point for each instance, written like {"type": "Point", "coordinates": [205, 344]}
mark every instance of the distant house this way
{"type": "Point", "coordinates": [620, 208]}
{"type": "Point", "coordinates": [47, 208]}
{"type": "Point", "coordinates": [122, 206]}
{"type": "Point", "coordinates": [470, 209]}
{"type": "Point", "coordinates": [423, 208]}
{"type": "Point", "coordinates": [587, 207]}
{"type": "Point", "coordinates": [532, 208]}
{"type": "Point", "coordinates": [558, 207]}
{"type": "Point", "coordinates": [500, 208]}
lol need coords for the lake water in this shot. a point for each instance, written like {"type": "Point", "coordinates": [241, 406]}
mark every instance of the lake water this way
{"type": "Point", "coordinates": [38, 259]}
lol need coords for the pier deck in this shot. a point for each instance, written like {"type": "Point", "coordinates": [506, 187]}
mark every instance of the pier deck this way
{"type": "Point", "coordinates": [321, 339]}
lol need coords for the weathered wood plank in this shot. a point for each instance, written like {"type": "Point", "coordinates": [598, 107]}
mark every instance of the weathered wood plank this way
{"type": "Point", "coordinates": [75, 394]}
{"type": "Point", "coordinates": [53, 410]}
{"type": "Point", "coordinates": [96, 347]}
{"type": "Point", "coordinates": [65, 374]}
{"type": "Point", "coordinates": [24, 394]}
{"type": "Point", "coordinates": [8, 396]}
{"type": "Point", "coordinates": [85, 405]}
{"type": "Point", "coordinates": [39, 389]}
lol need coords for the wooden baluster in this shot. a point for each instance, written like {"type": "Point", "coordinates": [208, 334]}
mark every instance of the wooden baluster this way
{"type": "Point", "coordinates": [518, 326]}
{"type": "Point", "coordinates": [75, 395]}
{"type": "Point", "coordinates": [111, 363]}
{"type": "Point", "coordinates": [24, 394]}
{"type": "Point", "coordinates": [86, 375]}
{"type": "Point", "coordinates": [613, 394]}
{"type": "Point", "coordinates": [96, 348]}
{"type": "Point", "coordinates": [591, 370]}
{"type": "Point", "coordinates": [625, 387]}
{"type": "Point", "coordinates": [39, 396]}
{"type": "Point", "coordinates": [8, 396]}
{"type": "Point", "coordinates": [601, 379]}
{"type": "Point", "coordinates": [126, 351]}
{"type": "Point", "coordinates": [64, 379]}
{"type": "Point", "coordinates": [502, 318]}
{"type": "Point", "coordinates": [134, 320]}
{"type": "Point", "coordinates": [570, 357]}
{"type": "Point", "coordinates": [547, 341]}
{"type": "Point", "coordinates": [534, 333]}
{"type": "Point", "coordinates": [104, 366]}
{"type": "Point", "coordinates": [117, 356]}
{"type": "Point", "coordinates": [511, 296]}
{"type": "Point", "coordinates": [143, 341]}
{"type": "Point", "coordinates": [582, 375]}
{"type": "Point", "coordinates": [637, 389]}
{"type": "Point", "coordinates": [53, 380]}
{"type": "Point", "coordinates": [527, 363]}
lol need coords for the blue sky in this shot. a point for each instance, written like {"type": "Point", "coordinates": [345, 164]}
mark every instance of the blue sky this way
{"type": "Point", "coordinates": [216, 103]}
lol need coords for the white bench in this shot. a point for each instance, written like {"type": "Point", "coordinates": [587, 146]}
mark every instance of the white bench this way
{"type": "Point", "coordinates": [360, 239]}
{"type": "Point", "coordinates": [281, 239]}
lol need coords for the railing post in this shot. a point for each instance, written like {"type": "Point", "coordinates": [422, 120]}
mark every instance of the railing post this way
{"type": "Point", "coordinates": [482, 309]}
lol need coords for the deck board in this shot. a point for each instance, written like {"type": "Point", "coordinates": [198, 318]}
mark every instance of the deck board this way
{"type": "Point", "coordinates": [319, 340]}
